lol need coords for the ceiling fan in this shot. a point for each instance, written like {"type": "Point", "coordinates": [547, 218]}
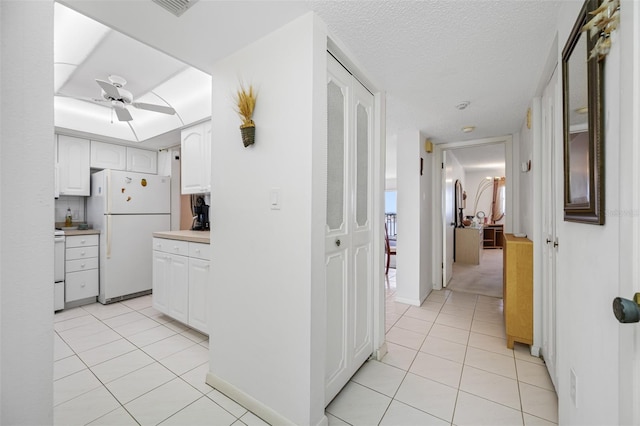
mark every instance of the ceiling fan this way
{"type": "Point", "coordinates": [113, 92]}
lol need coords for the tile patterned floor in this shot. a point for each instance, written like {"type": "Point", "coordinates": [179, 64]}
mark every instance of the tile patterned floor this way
{"type": "Point", "coordinates": [128, 364]}
{"type": "Point", "coordinates": [448, 364]}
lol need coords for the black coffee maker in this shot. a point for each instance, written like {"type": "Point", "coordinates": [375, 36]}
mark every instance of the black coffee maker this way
{"type": "Point", "coordinates": [201, 218]}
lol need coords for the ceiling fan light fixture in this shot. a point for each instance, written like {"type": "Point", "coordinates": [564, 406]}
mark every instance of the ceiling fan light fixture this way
{"type": "Point", "coordinates": [175, 7]}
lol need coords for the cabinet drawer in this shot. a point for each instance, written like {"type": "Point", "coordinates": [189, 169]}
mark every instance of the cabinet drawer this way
{"type": "Point", "coordinates": [81, 265]}
{"type": "Point", "coordinates": [80, 285]}
{"type": "Point", "coordinates": [82, 240]}
{"type": "Point", "coordinates": [199, 251]}
{"type": "Point", "coordinates": [81, 252]}
{"type": "Point", "coordinates": [171, 246]}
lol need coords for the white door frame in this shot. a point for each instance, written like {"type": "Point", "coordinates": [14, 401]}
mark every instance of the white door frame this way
{"type": "Point", "coordinates": [512, 181]}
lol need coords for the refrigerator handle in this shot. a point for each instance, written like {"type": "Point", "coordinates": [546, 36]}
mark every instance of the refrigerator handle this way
{"type": "Point", "coordinates": [107, 190]}
{"type": "Point", "coordinates": [108, 236]}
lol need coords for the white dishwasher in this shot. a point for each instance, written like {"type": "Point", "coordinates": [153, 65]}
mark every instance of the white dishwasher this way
{"type": "Point", "coordinates": [58, 270]}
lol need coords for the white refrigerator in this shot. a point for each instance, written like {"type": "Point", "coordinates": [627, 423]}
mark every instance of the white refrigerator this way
{"type": "Point", "coordinates": [127, 208]}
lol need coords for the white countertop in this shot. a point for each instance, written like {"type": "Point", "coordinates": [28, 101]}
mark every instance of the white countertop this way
{"type": "Point", "coordinates": [185, 235]}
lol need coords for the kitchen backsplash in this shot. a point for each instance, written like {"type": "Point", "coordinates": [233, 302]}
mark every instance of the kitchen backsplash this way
{"type": "Point", "coordinates": [76, 204]}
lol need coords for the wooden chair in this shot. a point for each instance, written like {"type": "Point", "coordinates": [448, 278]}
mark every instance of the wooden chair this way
{"type": "Point", "coordinates": [388, 248]}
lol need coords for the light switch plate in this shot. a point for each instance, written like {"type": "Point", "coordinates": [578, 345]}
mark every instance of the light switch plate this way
{"type": "Point", "coordinates": [275, 199]}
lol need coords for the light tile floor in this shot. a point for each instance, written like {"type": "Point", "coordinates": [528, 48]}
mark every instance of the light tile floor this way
{"type": "Point", "coordinates": [448, 364]}
{"type": "Point", "coordinates": [128, 364]}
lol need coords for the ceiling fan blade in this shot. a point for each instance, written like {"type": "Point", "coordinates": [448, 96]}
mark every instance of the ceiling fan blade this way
{"type": "Point", "coordinates": [155, 108]}
{"type": "Point", "coordinates": [123, 114]}
{"type": "Point", "coordinates": [109, 89]}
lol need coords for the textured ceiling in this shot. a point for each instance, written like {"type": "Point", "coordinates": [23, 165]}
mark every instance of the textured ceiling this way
{"type": "Point", "coordinates": [427, 56]}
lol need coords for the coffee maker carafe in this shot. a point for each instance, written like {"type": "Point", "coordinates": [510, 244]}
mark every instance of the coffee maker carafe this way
{"type": "Point", "coordinates": [201, 218]}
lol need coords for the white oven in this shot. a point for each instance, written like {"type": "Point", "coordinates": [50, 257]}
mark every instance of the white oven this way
{"type": "Point", "coordinates": [58, 270]}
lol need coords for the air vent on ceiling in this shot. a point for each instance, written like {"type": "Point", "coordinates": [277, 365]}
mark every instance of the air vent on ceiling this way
{"type": "Point", "coordinates": [177, 7]}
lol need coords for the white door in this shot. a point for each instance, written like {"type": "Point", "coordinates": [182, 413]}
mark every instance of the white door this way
{"type": "Point", "coordinates": [142, 160]}
{"type": "Point", "coordinates": [551, 153]}
{"type": "Point", "coordinates": [198, 283]}
{"type": "Point", "coordinates": [178, 286]}
{"type": "Point", "coordinates": [160, 281]}
{"type": "Point", "coordinates": [191, 154]}
{"type": "Point", "coordinates": [348, 250]}
{"type": "Point", "coordinates": [448, 225]}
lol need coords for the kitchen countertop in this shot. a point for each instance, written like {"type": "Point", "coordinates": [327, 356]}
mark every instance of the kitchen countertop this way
{"type": "Point", "coordinates": [193, 236]}
{"type": "Point", "coordinates": [71, 233]}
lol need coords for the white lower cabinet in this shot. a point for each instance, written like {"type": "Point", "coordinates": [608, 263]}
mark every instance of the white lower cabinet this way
{"type": "Point", "coordinates": [180, 281]}
{"type": "Point", "coordinates": [81, 268]}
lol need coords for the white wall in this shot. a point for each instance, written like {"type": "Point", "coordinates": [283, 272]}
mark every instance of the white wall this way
{"type": "Point", "coordinates": [589, 265]}
{"type": "Point", "coordinates": [26, 212]}
{"type": "Point", "coordinates": [413, 260]}
{"type": "Point", "coordinates": [267, 304]}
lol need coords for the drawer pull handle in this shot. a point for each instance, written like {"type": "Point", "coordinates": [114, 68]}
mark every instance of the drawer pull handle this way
{"type": "Point", "coordinates": [82, 241]}
{"type": "Point", "coordinates": [83, 284]}
{"type": "Point", "coordinates": [197, 250]}
{"type": "Point", "coordinates": [82, 253]}
{"type": "Point", "coordinates": [82, 266]}
{"type": "Point", "coordinates": [175, 248]}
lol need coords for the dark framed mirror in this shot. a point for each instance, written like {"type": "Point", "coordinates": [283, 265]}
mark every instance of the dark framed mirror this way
{"type": "Point", "coordinates": [583, 95]}
{"type": "Point", "coordinates": [458, 204]}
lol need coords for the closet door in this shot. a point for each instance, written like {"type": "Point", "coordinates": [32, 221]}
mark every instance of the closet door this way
{"type": "Point", "coordinates": [348, 251]}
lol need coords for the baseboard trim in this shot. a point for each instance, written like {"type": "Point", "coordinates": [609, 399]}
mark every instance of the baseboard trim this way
{"type": "Point", "coordinates": [413, 302]}
{"type": "Point", "coordinates": [381, 351]}
{"type": "Point", "coordinates": [266, 413]}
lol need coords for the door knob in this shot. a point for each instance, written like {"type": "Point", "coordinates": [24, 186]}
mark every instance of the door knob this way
{"type": "Point", "coordinates": [338, 243]}
{"type": "Point", "coordinates": [627, 311]}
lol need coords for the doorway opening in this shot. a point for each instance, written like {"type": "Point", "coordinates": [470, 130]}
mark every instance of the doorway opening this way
{"type": "Point", "coordinates": [476, 211]}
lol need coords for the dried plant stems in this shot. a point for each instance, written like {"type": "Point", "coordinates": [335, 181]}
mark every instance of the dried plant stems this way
{"type": "Point", "coordinates": [246, 102]}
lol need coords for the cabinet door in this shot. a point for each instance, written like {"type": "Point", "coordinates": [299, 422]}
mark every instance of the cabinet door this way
{"type": "Point", "coordinates": [160, 281]}
{"type": "Point", "coordinates": [142, 160]}
{"type": "Point", "coordinates": [73, 165]}
{"type": "Point", "coordinates": [191, 151]}
{"type": "Point", "coordinates": [108, 156]}
{"type": "Point", "coordinates": [205, 158]}
{"type": "Point", "coordinates": [198, 281]}
{"type": "Point", "coordinates": [179, 288]}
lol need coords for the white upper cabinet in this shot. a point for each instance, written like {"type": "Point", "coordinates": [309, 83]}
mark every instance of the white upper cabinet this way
{"type": "Point", "coordinates": [108, 156]}
{"type": "Point", "coordinates": [196, 158]}
{"type": "Point", "coordinates": [74, 165]}
{"type": "Point", "coordinates": [142, 160]}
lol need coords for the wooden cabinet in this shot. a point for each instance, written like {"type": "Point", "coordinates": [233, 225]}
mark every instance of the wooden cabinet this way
{"type": "Point", "coordinates": [73, 166]}
{"type": "Point", "coordinates": [142, 160]}
{"type": "Point", "coordinates": [492, 236]}
{"type": "Point", "coordinates": [518, 289]}
{"type": "Point", "coordinates": [468, 245]}
{"type": "Point", "coordinates": [195, 154]}
{"type": "Point", "coordinates": [108, 156]}
{"type": "Point", "coordinates": [180, 281]}
{"type": "Point", "coordinates": [81, 268]}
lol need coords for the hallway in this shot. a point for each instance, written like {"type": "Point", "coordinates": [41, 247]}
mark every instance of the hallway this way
{"type": "Point", "coordinates": [447, 364]}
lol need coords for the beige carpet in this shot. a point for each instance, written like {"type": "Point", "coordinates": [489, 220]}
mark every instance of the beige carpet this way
{"type": "Point", "coordinates": [484, 279]}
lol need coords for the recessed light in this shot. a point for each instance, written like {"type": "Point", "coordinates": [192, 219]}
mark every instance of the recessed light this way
{"type": "Point", "coordinates": [463, 105]}
{"type": "Point", "coordinates": [468, 129]}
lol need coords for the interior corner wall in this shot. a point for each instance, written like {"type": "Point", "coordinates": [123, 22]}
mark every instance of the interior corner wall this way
{"type": "Point", "coordinates": [267, 305]}
{"type": "Point", "coordinates": [525, 187]}
{"type": "Point", "coordinates": [26, 234]}
{"type": "Point", "coordinates": [589, 260]}
{"type": "Point", "coordinates": [412, 260]}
